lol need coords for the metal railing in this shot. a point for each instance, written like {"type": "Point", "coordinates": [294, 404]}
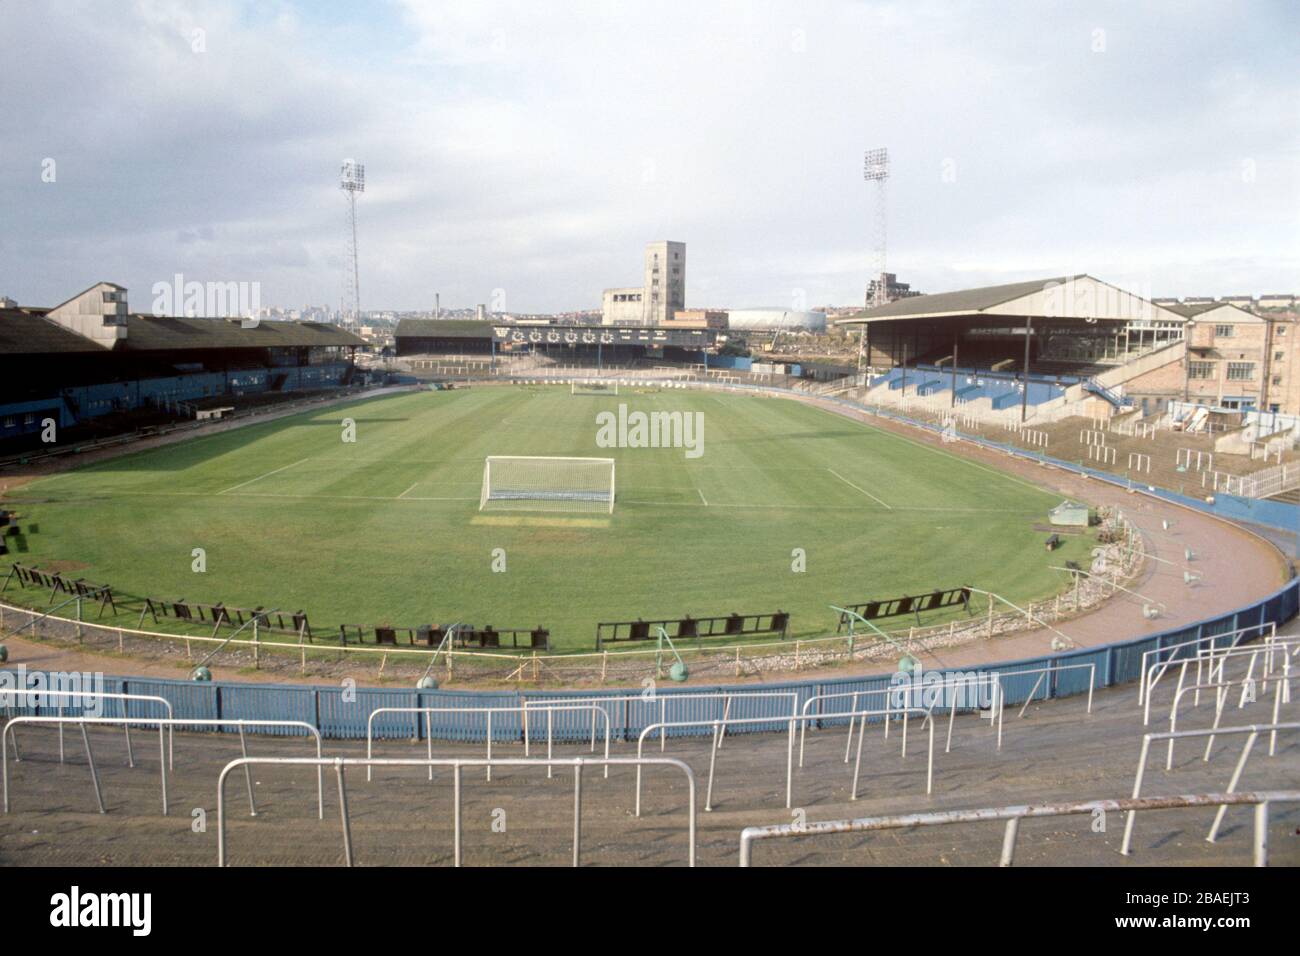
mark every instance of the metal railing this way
{"type": "Point", "coordinates": [1281, 693]}
{"type": "Point", "coordinates": [1014, 814]}
{"type": "Point", "coordinates": [1251, 730]}
{"type": "Point", "coordinates": [953, 684]}
{"type": "Point", "coordinates": [718, 725]}
{"type": "Point", "coordinates": [1145, 682]}
{"type": "Point", "coordinates": [662, 700]}
{"type": "Point", "coordinates": [487, 712]}
{"type": "Point", "coordinates": [340, 763]}
{"type": "Point", "coordinates": [162, 723]}
{"type": "Point", "coordinates": [93, 695]}
{"type": "Point", "coordinates": [1211, 663]}
{"type": "Point", "coordinates": [1046, 672]}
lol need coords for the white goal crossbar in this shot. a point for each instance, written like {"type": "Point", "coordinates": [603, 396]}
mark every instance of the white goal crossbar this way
{"type": "Point", "coordinates": [538, 483]}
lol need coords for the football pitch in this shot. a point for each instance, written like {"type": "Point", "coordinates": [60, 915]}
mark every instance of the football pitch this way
{"type": "Point", "coordinates": [786, 507]}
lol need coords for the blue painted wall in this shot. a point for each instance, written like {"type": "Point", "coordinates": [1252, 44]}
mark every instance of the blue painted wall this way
{"type": "Point", "coordinates": [91, 401]}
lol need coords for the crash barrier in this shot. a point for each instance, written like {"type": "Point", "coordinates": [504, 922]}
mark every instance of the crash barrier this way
{"type": "Point", "coordinates": [1252, 732]}
{"type": "Point", "coordinates": [164, 761]}
{"type": "Point", "coordinates": [927, 697]}
{"type": "Point", "coordinates": [1281, 695]}
{"type": "Point", "coordinates": [487, 712]}
{"type": "Point", "coordinates": [716, 726]}
{"type": "Point", "coordinates": [87, 697]}
{"type": "Point", "coordinates": [1274, 652]}
{"type": "Point", "coordinates": [651, 704]}
{"type": "Point", "coordinates": [1261, 800]}
{"type": "Point", "coordinates": [341, 763]}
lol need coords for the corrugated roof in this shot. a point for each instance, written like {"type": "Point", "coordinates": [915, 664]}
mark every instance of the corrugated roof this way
{"type": "Point", "coordinates": [960, 301]}
{"type": "Point", "coordinates": [148, 333]}
{"type": "Point", "coordinates": [22, 333]}
{"type": "Point", "coordinates": [443, 329]}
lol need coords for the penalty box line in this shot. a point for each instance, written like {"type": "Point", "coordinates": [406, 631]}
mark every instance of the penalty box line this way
{"type": "Point", "coordinates": [260, 477]}
{"type": "Point", "coordinates": [856, 488]}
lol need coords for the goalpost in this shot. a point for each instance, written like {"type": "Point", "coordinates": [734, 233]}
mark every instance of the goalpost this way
{"type": "Point", "coordinates": [593, 388]}
{"type": "Point", "coordinates": [527, 483]}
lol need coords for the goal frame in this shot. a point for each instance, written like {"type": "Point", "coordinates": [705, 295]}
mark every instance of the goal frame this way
{"type": "Point", "coordinates": [485, 492]}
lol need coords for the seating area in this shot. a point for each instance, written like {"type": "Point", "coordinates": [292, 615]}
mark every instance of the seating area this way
{"type": "Point", "coordinates": [1068, 368]}
{"type": "Point", "coordinates": [1002, 389]}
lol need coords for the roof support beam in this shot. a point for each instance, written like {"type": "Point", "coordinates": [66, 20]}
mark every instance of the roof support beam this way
{"type": "Point", "coordinates": [956, 337]}
{"type": "Point", "coordinates": [1024, 398]}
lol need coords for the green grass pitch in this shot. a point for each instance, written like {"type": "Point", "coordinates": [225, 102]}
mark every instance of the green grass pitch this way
{"type": "Point", "coordinates": [386, 529]}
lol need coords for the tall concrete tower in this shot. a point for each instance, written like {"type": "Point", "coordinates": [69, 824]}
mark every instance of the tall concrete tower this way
{"type": "Point", "coordinates": [665, 281]}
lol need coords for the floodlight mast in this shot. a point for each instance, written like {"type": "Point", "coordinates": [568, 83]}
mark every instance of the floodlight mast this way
{"type": "Point", "coordinates": [875, 169]}
{"type": "Point", "coordinates": [352, 180]}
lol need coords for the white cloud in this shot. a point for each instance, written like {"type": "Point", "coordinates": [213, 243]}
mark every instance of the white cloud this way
{"type": "Point", "coordinates": [535, 147]}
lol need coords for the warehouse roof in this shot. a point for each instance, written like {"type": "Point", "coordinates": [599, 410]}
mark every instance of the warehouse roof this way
{"type": "Point", "coordinates": [443, 329]}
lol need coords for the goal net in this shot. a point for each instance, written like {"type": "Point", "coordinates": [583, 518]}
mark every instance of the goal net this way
{"type": "Point", "coordinates": [547, 484]}
{"type": "Point", "coordinates": [593, 388]}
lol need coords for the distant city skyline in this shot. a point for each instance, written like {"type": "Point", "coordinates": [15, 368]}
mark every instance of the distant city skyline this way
{"type": "Point", "coordinates": [521, 156]}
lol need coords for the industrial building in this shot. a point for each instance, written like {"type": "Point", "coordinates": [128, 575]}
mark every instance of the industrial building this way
{"type": "Point", "coordinates": [622, 306]}
{"type": "Point", "coordinates": [661, 294]}
{"type": "Point", "coordinates": [886, 288]}
{"type": "Point", "coordinates": [698, 319]}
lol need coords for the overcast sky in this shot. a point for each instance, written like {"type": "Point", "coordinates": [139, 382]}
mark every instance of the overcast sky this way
{"type": "Point", "coordinates": [535, 148]}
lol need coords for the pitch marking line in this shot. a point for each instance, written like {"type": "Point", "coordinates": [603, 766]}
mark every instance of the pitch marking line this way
{"type": "Point", "coordinates": [823, 508]}
{"type": "Point", "coordinates": [409, 490]}
{"type": "Point", "coordinates": [532, 521]}
{"type": "Point", "coordinates": [880, 430]}
{"type": "Point", "coordinates": [702, 498]}
{"type": "Point", "coordinates": [259, 494]}
{"type": "Point", "coordinates": [856, 488]}
{"type": "Point", "coordinates": [260, 477]}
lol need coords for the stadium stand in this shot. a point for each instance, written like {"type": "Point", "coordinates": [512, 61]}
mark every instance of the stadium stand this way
{"type": "Point", "coordinates": [153, 368]}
